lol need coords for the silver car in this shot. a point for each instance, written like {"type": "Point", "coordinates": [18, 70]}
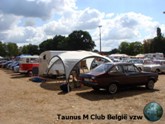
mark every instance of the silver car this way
{"type": "Point", "coordinates": [157, 66]}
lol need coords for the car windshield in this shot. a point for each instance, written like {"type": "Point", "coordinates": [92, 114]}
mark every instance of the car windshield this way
{"type": "Point", "coordinates": [102, 68]}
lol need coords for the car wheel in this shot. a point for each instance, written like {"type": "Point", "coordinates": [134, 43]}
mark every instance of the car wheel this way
{"type": "Point", "coordinates": [157, 71]}
{"type": "Point", "coordinates": [29, 73]}
{"type": "Point", "coordinates": [112, 89]}
{"type": "Point", "coordinates": [150, 85]}
{"type": "Point", "coordinates": [96, 88]}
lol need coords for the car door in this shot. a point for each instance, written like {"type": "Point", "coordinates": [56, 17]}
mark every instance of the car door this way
{"type": "Point", "coordinates": [133, 74]}
{"type": "Point", "coordinates": [115, 75]}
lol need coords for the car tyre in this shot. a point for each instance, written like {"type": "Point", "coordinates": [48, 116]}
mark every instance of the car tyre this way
{"type": "Point", "coordinates": [29, 73]}
{"type": "Point", "coordinates": [157, 71]}
{"type": "Point", "coordinates": [112, 89]}
{"type": "Point", "coordinates": [150, 85]}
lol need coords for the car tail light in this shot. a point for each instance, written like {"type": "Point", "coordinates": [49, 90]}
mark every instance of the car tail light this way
{"type": "Point", "coordinates": [94, 80]}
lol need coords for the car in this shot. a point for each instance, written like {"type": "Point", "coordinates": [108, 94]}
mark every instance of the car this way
{"type": "Point", "coordinates": [157, 66]}
{"type": "Point", "coordinates": [138, 62]}
{"type": "Point", "coordinates": [16, 69]}
{"type": "Point", "coordinates": [4, 65]}
{"type": "Point", "coordinates": [2, 62]}
{"type": "Point", "coordinates": [111, 76]}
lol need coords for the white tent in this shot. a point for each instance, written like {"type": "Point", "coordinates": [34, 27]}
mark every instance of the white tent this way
{"type": "Point", "coordinates": [70, 59]}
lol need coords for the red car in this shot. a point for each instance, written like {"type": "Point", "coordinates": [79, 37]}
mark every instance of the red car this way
{"type": "Point", "coordinates": [111, 76]}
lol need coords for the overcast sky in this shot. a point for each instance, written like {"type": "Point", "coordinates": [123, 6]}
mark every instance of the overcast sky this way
{"type": "Point", "coordinates": [33, 21]}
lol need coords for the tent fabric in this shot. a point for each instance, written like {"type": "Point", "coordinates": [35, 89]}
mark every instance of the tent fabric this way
{"type": "Point", "coordinates": [71, 58]}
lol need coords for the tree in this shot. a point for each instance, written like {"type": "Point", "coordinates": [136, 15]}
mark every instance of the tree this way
{"type": "Point", "coordinates": [147, 45]}
{"type": "Point", "coordinates": [59, 43]}
{"type": "Point", "coordinates": [124, 47]}
{"type": "Point", "coordinates": [33, 49]}
{"type": "Point", "coordinates": [30, 49]}
{"type": "Point", "coordinates": [80, 40]}
{"type": "Point", "coordinates": [135, 48]}
{"type": "Point", "coordinates": [113, 51]}
{"type": "Point", "coordinates": [77, 40]}
{"type": "Point", "coordinates": [158, 43]}
{"type": "Point", "coordinates": [11, 49]}
{"type": "Point", "coordinates": [159, 34]}
{"type": "Point", "coordinates": [2, 49]}
{"type": "Point", "coordinates": [46, 45]}
{"type": "Point", "coordinates": [132, 48]}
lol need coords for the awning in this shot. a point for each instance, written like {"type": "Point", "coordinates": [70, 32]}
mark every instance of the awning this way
{"type": "Point", "coordinates": [70, 59]}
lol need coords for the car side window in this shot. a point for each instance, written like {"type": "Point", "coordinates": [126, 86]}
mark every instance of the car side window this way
{"type": "Point", "coordinates": [119, 68]}
{"type": "Point", "coordinates": [130, 68]}
{"type": "Point", "coordinates": [27, 60]}
{"type": "Point", "coordinates": [116, 69]}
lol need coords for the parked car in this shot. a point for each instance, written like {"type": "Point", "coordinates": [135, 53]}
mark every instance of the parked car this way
{"type": "Point", "coordinates": [2, 62]}
{"type": "Point", "coordinates": [157, 66]}
{"type": "Point", "coordinates": [138, 62]}
{"type": "Point", "coordinates": [111, 76]}
{"type": "Point", "coordinates": [16, 69]}
{"type": "Point", "coordinates": [15, 63]}
{"type": "Point", "coordinates": [4, 65]}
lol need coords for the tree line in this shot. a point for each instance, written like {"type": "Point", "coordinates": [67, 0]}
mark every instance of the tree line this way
{"type": "Point", "coordinates": [81, 40]}
{"type": "Point", "coordinates": [156, 44]}
{"type": "Point", "coordinates": [77, 40]}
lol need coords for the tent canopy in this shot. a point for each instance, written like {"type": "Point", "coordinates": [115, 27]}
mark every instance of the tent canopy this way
{"type": "Point", "coordinates": [70, 59]}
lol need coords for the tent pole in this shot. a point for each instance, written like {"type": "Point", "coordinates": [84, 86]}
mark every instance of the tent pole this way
{"type": "Point", "coordinates": [67, 81]}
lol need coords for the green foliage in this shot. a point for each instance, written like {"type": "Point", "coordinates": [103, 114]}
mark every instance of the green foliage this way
{"type": "Point", "coordinates": [11, 49]}
{"type": "Point", "coordinates": [124, 47]}
{"type": "Point", "coordinates": [159, 34]}
{"type": "Point", "coordinates": [133, 48]}
{"type": "Point", "coordinates": [147, 46]}
{"type": "Point", "coordinates": [59, 42]}
{"type": "Point", "coordinates": [77, 40]}
{"type": "Point", "coordinates": [156, 44]}
{"type": "Point", "coordinates": [80, 40]}
{"type": "Point", "coordinates": [2, 49]}
{"type": "Point", "coordinates": [46, 45]}
{"type": "Point", "coordinates": [113, 51]}
{"type": "Point", "coordinates": [30, 49]}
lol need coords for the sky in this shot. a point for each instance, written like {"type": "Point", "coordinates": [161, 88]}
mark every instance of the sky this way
{"type": "Point", "coordinates": [33, 21]}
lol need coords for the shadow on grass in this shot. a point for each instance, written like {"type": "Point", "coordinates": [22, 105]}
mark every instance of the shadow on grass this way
{"type": "Point", "coordinates": [19, 75]}
{"type": "Point", "coordinates": [50, 86]}
{"type": "Point", "coordinates": [54, 85]}
{"type": "Point", "coordinates": [124, 92]}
